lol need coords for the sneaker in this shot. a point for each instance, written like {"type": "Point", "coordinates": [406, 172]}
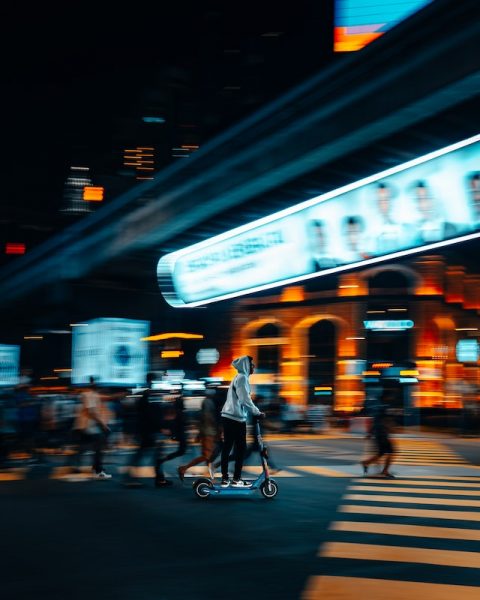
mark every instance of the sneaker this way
{"type": "Point", "coordinates": [240, 483]}
{"type": "Point", "coordinates": [365, 469]}
{"type": "Point", "coordinates": [181, 473]}
{"type": "Point", "coordinates": [387, 475]}
{"type": "Point", "coordinates": [163, 483]}
{"type": "Point", "coordinates": [225, 483]}
{"type": "Point", "coordinates": [102, 475]}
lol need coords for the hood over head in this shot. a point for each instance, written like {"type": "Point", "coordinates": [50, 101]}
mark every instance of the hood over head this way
{"type": "Point", "coordinates": [242, 364]}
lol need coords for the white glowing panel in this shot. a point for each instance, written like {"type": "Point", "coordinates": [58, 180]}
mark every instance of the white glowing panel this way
{"type": "Point", "coordinates": [110, 350]}
{"type": "Point", "coordinates": [9, 364]}
{"type": "Point", "coordinates": [467, 350]}
{"type": "Point", "coordinates": [426, 203]}
{"type": "Point", "coordinates": [389, 325]}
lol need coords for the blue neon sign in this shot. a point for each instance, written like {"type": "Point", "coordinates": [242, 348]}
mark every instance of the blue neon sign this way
{"type": "Point", "coordinates": [389, 324]}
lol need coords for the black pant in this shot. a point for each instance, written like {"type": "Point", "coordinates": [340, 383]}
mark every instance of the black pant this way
{"type": "Point", "coordinates": [85, 441]}
{"type": "Point", "coordinates": [251, 448]}
{"type": "Point", "coordinates": [234, 434]}
{"type": "Point", "coordinates": [149, 444]}
{"type": "Point", "coordinates": [180, 451]}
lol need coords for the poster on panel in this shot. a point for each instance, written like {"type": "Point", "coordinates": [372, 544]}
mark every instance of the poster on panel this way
{"type": "Point", "coordinates": [9, 365]}
{"type": "Point", "coordinates": [111, 351]}
{"type": "Point", "coordinates": [423, 204]}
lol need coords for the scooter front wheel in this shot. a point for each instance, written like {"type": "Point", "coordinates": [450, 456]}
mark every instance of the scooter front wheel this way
{"type": "Point", "coordinates": [269, 489]}
{"type": "Point", "coordinates": [202, 489]}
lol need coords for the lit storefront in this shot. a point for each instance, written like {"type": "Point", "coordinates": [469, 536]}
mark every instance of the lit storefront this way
{"type": "Point", "coordinates": [312, 346]}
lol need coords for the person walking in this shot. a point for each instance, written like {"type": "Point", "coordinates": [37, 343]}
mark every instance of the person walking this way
{"type": "Point", "coordinates": [380, 431]}
{"type": "Point", "coordinates": [149, 424]}
{"type": "Point", "coordinates": [90, 430]}
{"type": "Point", "coordinates": [178, 430]}
{"type": "Point", "coordinates": [234, 419]}
{"type": "Point", "coordinates": [208, 432]}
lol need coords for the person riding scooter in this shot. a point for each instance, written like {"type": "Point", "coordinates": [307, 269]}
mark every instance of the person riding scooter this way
{"type": "Point", "coordinates": [234, 420]}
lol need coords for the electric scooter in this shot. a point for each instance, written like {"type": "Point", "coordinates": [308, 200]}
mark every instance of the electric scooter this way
{"type": "Point", "coordinates": [205, 487]}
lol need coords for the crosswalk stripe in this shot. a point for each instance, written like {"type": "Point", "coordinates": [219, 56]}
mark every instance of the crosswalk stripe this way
{"type": "Point", "coordinates": [393, 494]}
{"type": "Point", "coordinates": [415, 453]}
{"type": "Point", "coordinates": [411, 463]}
{"type": "Point", "coordinates": [422, 531]}
{"type": "Point", "coordinates": [455, 515]}
{"type": "Point", "coordinates": [315, 470]}
{"type": "Point", "coordinates": [437, 478]}
{"type": "Point", "coordinates": [356, 588]}
{"type": "Point", "coordinates": [430, 556]}
{"type": "Point", "coordinates": [431, 459]}
{"type": "Point", "coordinates": [414, 490]}
{"type": "Point", "coordinates": [403, 482]}
{"type": "Point", "coordinates": [412, 500]}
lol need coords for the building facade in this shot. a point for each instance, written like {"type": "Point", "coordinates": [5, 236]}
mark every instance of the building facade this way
{"type": "Point", "coordinates": [406, 320]}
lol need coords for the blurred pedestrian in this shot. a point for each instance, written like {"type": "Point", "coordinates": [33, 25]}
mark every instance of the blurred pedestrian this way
{"type": "Point", "coordinates": [90, 430]}
{"type": "Point", "coordinates": [208, 433]}
{"type": "Point", "coordinates": [149, 427]}
{"type": "Point", "coordinates": [380, 433]}
{"type": "Point", "coordinates": [178, 430]}
{"type": "Point", "coordinates": [28, 421]}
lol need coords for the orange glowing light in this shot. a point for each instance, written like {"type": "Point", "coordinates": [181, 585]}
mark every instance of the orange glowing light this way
{"type": "Point", "coordinates": [168, 336]}
{"type": "Point", "coordinates": [171, 353]}
{"type": "Point", "coordinates": [93, 194]}
{"type": "Point", "coordinates": [293, 294]}
{"type": "Point", "coordinates": [350, 42]}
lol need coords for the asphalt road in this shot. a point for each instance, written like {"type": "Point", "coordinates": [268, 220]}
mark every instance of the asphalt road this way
{"type": "Point", "coordinates": [328, 534]}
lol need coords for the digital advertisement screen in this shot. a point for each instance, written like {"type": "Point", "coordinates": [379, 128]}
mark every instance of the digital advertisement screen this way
{"type": "Point", "coordinates": [111, 351]}
{"type": "Point", "coordinates": [9, 364]}
{"type": "Point", "coordinates": [426, 203]}
{"type": "Point", "coordinates": [359, 22]}
{"type": "Point", "coordinates": [467, 350]}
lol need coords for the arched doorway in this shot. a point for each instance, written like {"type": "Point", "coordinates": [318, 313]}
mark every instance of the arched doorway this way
{"type": "Point", "coordinates": [388, 303]}
{"type": "Point", "coordinates": [389, 280]}
{"type": "Point", "coordinates": [322, 344]}
{"type": "Point", "coordinates": [268, 355]}
{"type": "Point", "coordinates": [388, 332]}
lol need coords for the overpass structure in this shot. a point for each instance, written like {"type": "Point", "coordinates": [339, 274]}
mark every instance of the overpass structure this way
{"type": "Point", "coordinates": [410, 92]}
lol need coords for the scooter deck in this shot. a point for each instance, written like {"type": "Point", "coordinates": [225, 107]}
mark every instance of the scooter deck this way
{"type": "Point", "coordinates": [218, 490]}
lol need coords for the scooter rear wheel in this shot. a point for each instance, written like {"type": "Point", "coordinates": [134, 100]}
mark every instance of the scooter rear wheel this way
{"type": "Point", "coordinates": [269, 489]}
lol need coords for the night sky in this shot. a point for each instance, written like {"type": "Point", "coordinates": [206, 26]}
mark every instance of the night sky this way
{"type": "Point", "coordinates": [73, 75]}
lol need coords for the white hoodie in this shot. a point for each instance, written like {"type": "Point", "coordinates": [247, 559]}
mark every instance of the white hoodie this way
{"type": "Point", "coordinates": [239, 400]}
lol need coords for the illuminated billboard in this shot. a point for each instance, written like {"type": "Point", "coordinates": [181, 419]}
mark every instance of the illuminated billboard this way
{"type": "Point", "coordinates": [111, 351]}
{"type": "Point", "coordinates": [359, 22]}
{"type": "Point", "coordinates": [467, 351]}
{"type": "Point", "coordinates": [9, 364]}
{"type": "Point", "coordinates": [426, 203]}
